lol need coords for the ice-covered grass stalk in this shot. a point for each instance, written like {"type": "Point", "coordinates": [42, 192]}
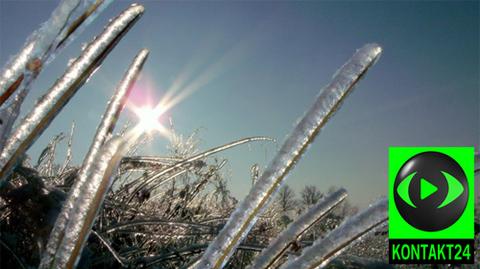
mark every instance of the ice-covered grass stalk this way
{"type": "Point", "coordinates": [142, 163]}
{"type": "Point", "coordinates": [144, 222]}
{"type": "Point", "coordinates": [75, 26]}
{"type": "Point", "coordinates": [37, 46]}
{"type": "Point", "coordinates": [40, 48]}
{"type": "Point", "coordinates": [194, 158]}
{"type": "Point", "coordinates": [64, 88]}
{"type": "Point", "coordinates": [325, 250]}
{"type": "Point", "coordinates": [104, 130]}
{"type": "Point", "coordinates": [280, 245]}
{"type": "Point", "coordinates": [246, 214]}
{"type": "Point", "coordinates": [80, 223]}
{"type": "Point", "coordinates": [43, 44]}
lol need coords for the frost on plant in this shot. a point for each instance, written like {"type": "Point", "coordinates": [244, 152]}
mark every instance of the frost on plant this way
{"type": "Point", "coordinates": [64, 88]}
{"type": "Point", "coordinates": [296, 143]}
{"type": "Point", "coordinates": [66, 21]}
{"type": "Point", "coordinates": [329, 247]}
{"type": "Point", "coordinates": [104, 130]}
{"type": "Point", "coordinates": [121, 209]}
{"type": "Point", "coordinates": [285, 239]}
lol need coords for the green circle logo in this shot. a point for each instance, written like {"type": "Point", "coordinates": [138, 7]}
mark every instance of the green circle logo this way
{"type": "Point", "coordinates": [431, 191]}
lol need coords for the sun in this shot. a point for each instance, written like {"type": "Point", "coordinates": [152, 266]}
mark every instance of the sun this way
{"type": "Point", "coordinates": [148, 119]}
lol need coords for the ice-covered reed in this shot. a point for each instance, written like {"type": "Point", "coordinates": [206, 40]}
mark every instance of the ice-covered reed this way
{"type": "Point", "coordinates": [327, 102]}
{"type": "Point", "coordinates": [324, 250]}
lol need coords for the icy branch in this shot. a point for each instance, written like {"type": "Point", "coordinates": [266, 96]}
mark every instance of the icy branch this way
{"type": "Point", "coordinates": [40, 48]}
{"type": "Point", "coordinates": [68, 157]}
{"type": "Point", "coordinates": [36, 46]}
{"type": "Point", "coordinates": [134, 223]}
{"type": "Point", "coordinates": [104, 130]}
{"type": "Point", "coordinates": [51, 104]}
{"type": "Point", "coordinates": [145, 163]}
{"type": "Point", "coordinates": [81, 220]}
{"type": "Point", "coordinates": [246, 214]}
{"type": "Point", "coordinates": [281, 244]}
{"type": "Point", "coordinates": [325, 250]}
{"type": "Point", "coordinates": [194, 158]}
{"type": "Point", "coordinates": [42, 44]}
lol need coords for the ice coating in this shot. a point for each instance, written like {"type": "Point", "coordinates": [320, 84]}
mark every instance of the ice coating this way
{"type": "Point", "coordinates": [134, 223]}
{"type": "Point", "coordinates": [38, 43]}
{"type": "Point", "coordinates": [104, 130]}
{"type": "Point", "coordinates": [328, 101]}
{"type": "Point", "coordinates": [109, 247]}
{"type": "Point", "coordinates": [89, 12]}
{"type": "Point", "coordinates": [326, 249]}
{"type": "Point", "coordinates": [43, 43]}
{"type": "Point", "coordinates": [41, 47]}
{"type": "Point", "coordinates": [281, 244]}
{"type": "Point", "coordinates": [93, 193]}
{"type": "Point", "coordinates": [64, 88]}
{"type": "Point", "coordinates": [68, 157]}
{"type": "Point", "coordinates": [198, 157]}
{"type": "Point", "coordinates": [142, 163]}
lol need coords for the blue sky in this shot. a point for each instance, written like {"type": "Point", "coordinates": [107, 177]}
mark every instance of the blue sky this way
{"type": "Point", "coordinates": [266, 61]}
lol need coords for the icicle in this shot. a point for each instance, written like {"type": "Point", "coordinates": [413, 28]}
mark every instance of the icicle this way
{"type": "Point", "coordinates": [104, 130]}
{"type": "Point", "coordinates": [323, 251]}
{"type": "Point", "coordinates": [246, 214]}
{"type": "Point", "coordinates": [90, 201]}
{"type": "Point", "coordinates": [51, 103]}
{"type": "Point", "coordinates": [281, 244]}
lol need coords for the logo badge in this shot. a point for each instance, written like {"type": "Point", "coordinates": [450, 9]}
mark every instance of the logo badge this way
{"type": "Point", "coordinates": [431, 206]}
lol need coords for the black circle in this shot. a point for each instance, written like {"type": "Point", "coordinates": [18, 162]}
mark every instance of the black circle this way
{"type": "Point", "coordinates": [427, 215]}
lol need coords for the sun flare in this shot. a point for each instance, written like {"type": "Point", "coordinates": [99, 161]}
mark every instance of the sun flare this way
{"type": "Point", "coordinates": [148, 119]}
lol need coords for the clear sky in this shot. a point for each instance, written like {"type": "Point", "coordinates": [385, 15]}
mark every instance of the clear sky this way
{"type": "Point", "coordinates": [264, 62]}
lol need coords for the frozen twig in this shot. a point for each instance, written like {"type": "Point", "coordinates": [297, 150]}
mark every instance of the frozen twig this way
{"type": "Point", "coordinates": [51, 104]}
{"type": "Point", "coordinates": [246, 214]}
{"type": "Point", "coordinates": [281, 244]}
{"type": "Point", "coordinates": [110, 248]}
{"type": "Point", "coordinates": [134, 223]}
{"type": "Point", "coordinates": [144, 163]}
{"type": "Point", "coordinates": [197, 157]}
{"type": "Point", "coordinates": [68, 158]}
{"type": "Point", "coordinates": [40, 48]}
{"type": "Point", "coordinates": [324, 250]}
{"type": "Point", "coordinates": [104, 130]}
{"type": "Point", "coordinates": [81, 220]}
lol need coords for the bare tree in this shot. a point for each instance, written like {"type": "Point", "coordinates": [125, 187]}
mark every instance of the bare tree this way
{"type": "Point", "coordinates": [310, 195]}
{"type": "Point", "coordinates": [286, 199]}
{"type": "Point", "coordinates": [286, 203]}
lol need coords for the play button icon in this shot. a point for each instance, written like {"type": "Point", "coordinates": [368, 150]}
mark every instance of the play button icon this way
{"type": "Point", "coordinates": [431, 191]}
{"type": "Point", "coordinates": [426, 189]}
